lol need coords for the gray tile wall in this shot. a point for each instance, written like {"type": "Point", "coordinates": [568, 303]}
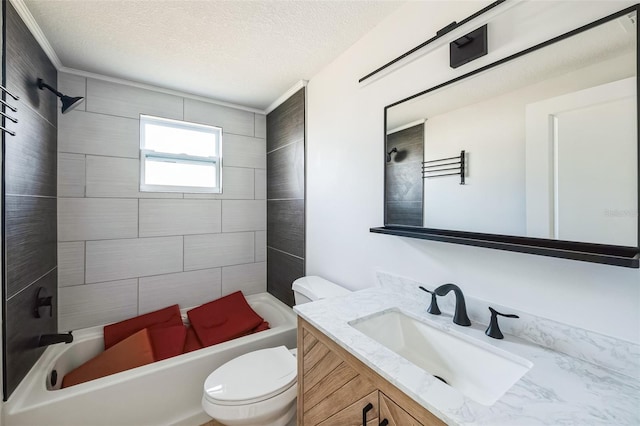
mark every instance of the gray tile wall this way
{"type": "Point", "coordinates": [29, 201]}
{"type": "Point", "coordinates": [123, 252]}
{"type": "Point", "coordinates": [403, 177]}
{"type": "Point", "coordinates": [285, 196]}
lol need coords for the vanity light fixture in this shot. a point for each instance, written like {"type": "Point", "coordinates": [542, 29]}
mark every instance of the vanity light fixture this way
{"type": "Point", "coordinates": [68, 102]}
{"type": "Point", "coordinates": [468, 47]}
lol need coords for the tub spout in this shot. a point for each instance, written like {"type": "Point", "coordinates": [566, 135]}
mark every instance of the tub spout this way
{"type": "Point", "coordinates": [51, 339]}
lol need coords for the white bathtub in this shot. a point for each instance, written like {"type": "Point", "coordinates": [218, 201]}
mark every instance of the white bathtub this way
{"type": "Point", "coordinates": [167, 392]}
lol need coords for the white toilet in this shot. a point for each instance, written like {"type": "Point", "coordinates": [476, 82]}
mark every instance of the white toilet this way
{"type": "Point", "coordinates": [244, 392]}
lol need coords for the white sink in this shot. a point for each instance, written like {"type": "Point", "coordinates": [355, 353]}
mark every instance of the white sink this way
{"type": "Point", "coordinates": [483, 374]}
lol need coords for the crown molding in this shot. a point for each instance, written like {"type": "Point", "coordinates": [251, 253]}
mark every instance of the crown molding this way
{"type": "Point", "coordinates": [38, 34]}
{"type": "Point", "coordinates": [146, 86]}
{"type": "Point", "coordinates": [36, 31]}
{"type": "Point", "coordinates": [286, 95]}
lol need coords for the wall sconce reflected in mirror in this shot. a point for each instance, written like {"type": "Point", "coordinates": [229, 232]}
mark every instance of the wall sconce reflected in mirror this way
{"type": "Point", "coordinates": [68, 102]}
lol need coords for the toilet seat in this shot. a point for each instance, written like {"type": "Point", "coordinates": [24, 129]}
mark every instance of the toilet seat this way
{"type": "Point", "coordinates": [251, 378]}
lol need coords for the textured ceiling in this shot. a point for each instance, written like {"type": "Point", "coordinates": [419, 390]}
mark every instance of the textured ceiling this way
{"type": "Point", "coordinates": [245, 52]}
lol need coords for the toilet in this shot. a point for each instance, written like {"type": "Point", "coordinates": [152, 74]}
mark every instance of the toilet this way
{"type": "Point", "coordinates": [244, 392]}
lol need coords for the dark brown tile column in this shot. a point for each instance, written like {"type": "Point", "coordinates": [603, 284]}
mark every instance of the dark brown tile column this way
{"type": "Point", "coordinates": [285, 196]}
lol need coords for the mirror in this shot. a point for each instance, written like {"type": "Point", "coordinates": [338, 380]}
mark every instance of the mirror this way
{"type": "Point", "coordinates": [548, 144]}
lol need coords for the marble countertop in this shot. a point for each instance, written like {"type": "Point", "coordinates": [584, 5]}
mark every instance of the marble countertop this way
{"type": "Point", "coordinates": [558, 389]}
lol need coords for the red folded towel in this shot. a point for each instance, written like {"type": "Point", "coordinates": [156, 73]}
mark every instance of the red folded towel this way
{"type": "Point", "coordinates": [191, 343]}
{"type": "Point", "coordinates": [119, 331]}
{"type": "Point", "coordinates": [132, 352]}
{"type": "Point", "coordinates": [262, 327]}
{"type": "Point", "coordinates": [167, 341]}
{"type": "Point", "coordinates": [223, 319]}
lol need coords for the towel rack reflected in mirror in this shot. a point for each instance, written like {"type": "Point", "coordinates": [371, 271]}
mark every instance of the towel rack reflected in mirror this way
{"type": "Point", "coordinates": [434, 168]}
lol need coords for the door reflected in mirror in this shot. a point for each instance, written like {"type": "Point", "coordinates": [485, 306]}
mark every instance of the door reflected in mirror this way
{"type": "Point", "coordinates": [550, 140]}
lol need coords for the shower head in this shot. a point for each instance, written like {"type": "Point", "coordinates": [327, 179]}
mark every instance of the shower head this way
{"type": "Point", "coordinates": [389, 154]}
{"type": "Point", "coordinates": [68, 102]}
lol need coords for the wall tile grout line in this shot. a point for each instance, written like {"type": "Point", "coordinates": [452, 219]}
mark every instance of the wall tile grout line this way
{"type": "Point", "coordinates": [95, 155]}
{"type": "Point", "coordinates": [136, 158]}
{"type": "Point", "coordinates": [32, 283]}
{"type": "Point", "coordinates": [85, 175]}
{"type": "Point", "coordinates": [285, 252]}
{"type": "Point", "coordinates": [212, 268]}
{"type": "Point", "coordinates": [285, 145]}
{"type": "Point", "coordinates": [138, 119]}
{"type": "Point", "coordinates": [31, 196]}
{"type": "Point", "coordinates": [84, 278]}
{"type": "Point", "coordinates": [125, 197]}
{"type": "Point", "coordinates": [138, 301]}
{"type": "Point", "coordinates": [166, 236]}
{"type": "Point", "coordinates": [169, 273]}
{"type": "Point", "coordinates": [86, 94]}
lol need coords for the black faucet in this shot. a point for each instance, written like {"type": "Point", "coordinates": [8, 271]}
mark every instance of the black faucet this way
{"type": "Point", "coordinates": [51, 339]}
{"type": "Point", "coordinates": [494, 329]}
{"type": "Point", "coordinates": [460, 316]}
{"type": "Point", "coordinates": [433, 308]}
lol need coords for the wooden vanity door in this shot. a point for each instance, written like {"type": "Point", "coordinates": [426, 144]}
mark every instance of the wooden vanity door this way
{"type": "Point", "coordinates": [334, 388]}
{"type": "Point", "coordinates": [331, 392]}
{"type": "Point", "coordinates": [352, 415]}
{"type": "Point", "coordinates": [395, 415]}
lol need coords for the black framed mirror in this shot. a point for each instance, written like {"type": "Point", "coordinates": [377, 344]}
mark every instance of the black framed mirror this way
{"type": "Point", "coordinates": [536, 152]}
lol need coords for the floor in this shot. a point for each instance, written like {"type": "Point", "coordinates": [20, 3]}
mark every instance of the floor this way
{"type": "Point", "coordinates": [212, 423]}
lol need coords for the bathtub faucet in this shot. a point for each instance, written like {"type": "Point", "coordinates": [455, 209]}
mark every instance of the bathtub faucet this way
{"type": "Point", "coordinates": [51, 339]}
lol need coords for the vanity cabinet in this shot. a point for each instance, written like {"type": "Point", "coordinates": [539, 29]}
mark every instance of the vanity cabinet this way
{"type": "Point", "coordinates": [335, 388]}
{"type": "Point", "coordinates": [394, 414]}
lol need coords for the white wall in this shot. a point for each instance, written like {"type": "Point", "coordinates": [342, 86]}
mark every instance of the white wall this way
{"type": "Point", "coordinates": [495, 184]}
{"type": "Point", "coordinates": [122, 252]}
{"type": "Point", "coordinates": [345, 163]}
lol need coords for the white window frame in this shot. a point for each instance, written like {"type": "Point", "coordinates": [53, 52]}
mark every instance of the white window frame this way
{"type": "Point", "coordinates": [145, 154]}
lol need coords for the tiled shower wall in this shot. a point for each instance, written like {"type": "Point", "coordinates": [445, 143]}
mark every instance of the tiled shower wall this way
{"type": "Point", "coordinates": [403, 174]}
{"type": "Point", "coordinates": [29, 200]}
{"type": "Point", "coordinates": [285, 196]}
{"type": "Point", "coordinates": [123, 252]}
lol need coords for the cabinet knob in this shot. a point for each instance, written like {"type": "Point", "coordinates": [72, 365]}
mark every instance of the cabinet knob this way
{"type": "Point", "coordinates": [385, 422]}
{"type": "Point", "coordinates": [365, 410]}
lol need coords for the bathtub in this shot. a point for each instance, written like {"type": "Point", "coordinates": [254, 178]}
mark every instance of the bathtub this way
{"type": "Point", "coordinates": [166, 392]}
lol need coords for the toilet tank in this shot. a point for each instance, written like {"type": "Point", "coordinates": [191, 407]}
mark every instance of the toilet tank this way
{"type": "Point", "coordinates": [308, 289]}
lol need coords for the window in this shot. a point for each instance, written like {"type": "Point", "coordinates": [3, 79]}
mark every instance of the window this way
{"type": "Point", "coordinates": [177, 156]}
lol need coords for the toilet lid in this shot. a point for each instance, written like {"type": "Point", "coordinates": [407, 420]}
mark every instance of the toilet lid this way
{"type": "Point", "coordinates": [252, 377]}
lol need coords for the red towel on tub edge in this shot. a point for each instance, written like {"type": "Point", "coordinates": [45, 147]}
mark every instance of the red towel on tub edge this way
{"type": "Point", "coordinates": [166, 317]}
{"type": "Point", "coordinates": [224, 319]}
